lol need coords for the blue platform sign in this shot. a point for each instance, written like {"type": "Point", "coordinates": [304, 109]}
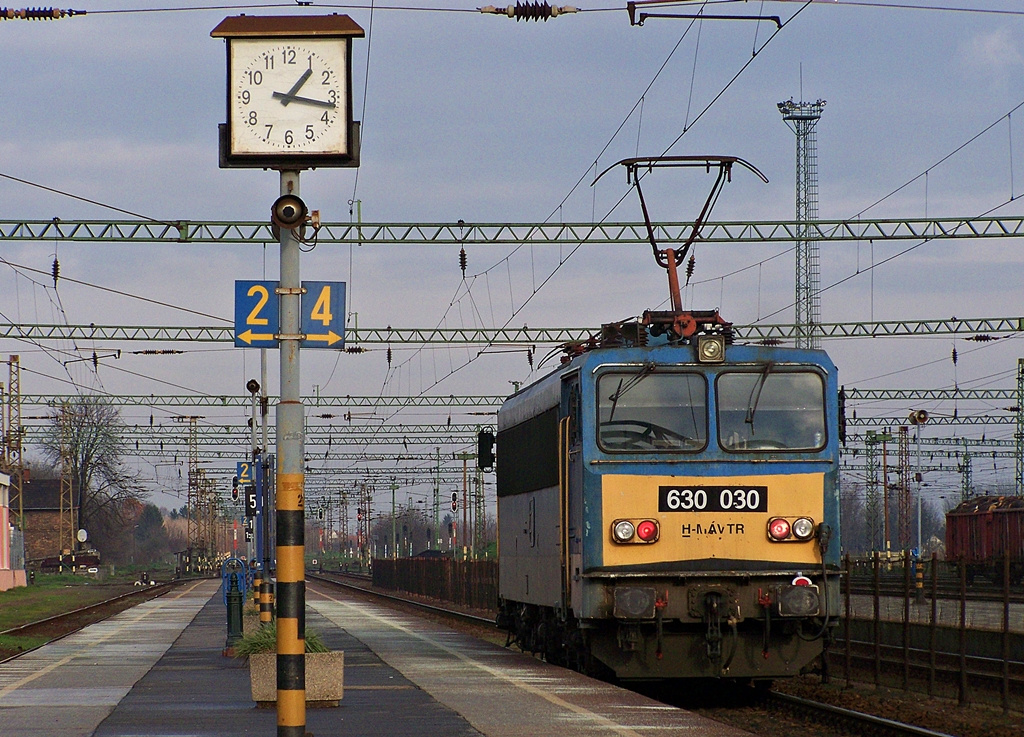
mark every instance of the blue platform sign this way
{"type": "Point", "coordinates": [246, 472]}
{"type": "Point", "coordinates": [323, 314]}
{"type": "Point", "coordinates": [257, 314]}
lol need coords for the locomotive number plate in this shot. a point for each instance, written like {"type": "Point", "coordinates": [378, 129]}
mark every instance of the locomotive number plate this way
{"type": "Point", "coordinates": [712, 498]}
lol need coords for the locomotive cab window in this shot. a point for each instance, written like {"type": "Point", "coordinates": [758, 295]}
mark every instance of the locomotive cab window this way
{"type": "Point", "coordinates": [643, 411]}
{"type": "Point", "coordinates": [771, 409]}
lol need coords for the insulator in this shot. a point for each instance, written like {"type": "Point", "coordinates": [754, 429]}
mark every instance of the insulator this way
{"type": "Point", "coordinates": [529, 357]}
{"type": "Point", "coordinates": [55, 271]}
{"type": "Point", "coordinates": [37, 13]}
{"type": "Point", "coordinates": [689, 267]}
{"type": "Point", "coordinates": [530, 11]}
{"type": "Point", "coordinates": [954, 355]}
{"type": "Point", "coordinates": [983, 338]}
{"type": "Point", "coordinates": [95, 360]}
{"type": "Point", "coordinates": [389, 355]}
{"type": "Point", "coordinates": [354, 349]}
{"type": "Point", "coordinates": [462, 260]}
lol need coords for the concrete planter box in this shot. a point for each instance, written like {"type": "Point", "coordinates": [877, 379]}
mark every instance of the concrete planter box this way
{"type": "Point", "coordinates": [250, 622]}
{"type": "Point", "coordinates": [324, 678]}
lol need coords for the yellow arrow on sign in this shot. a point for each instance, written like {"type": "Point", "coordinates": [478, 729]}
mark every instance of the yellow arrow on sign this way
{"type": "Point", "coordinates": [331, 338]}
{"type": "Point", "coordinates": [249, 336]}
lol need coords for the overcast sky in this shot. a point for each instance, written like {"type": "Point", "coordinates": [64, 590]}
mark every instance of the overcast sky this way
{"type": "Point", "coordinates": [480, 118]}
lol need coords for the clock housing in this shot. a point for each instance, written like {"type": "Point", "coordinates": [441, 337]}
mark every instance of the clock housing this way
{"type": "Point", "coordinates": [289, 100]}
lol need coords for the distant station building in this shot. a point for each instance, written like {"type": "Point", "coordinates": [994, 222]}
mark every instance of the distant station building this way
{"type": "Point", "coordinates": [12, 553]}
{"type": "Point", "coordinates": [41, 512]}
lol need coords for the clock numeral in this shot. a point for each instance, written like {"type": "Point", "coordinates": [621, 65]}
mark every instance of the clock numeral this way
{"type": "Point", "coordinates": [288, 56]}
{"type": "Point", "coordinates": [309, 132]}
{"type": "Point", "coordinates": [325, 117]}
{"type": "Point", "coordinates": [288, 138]}
{"type": "Point", "coordinates": [246, 97]}
{"type": "Point", "coordinates": [325, 74]}
{"type": "Point", "coordinates": [332, 96]}
{"type": "Point", "coordinates": [269, 129]}
{"type": "Point", "coordinates": [268, 61]}
{"type": "Point", "coordinates": [255, 76]}
{"type": "Point", "coordinates": [252, 119]}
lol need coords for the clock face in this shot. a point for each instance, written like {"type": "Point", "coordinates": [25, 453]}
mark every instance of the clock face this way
{"type": "Point", "coordinates": [288, 96]}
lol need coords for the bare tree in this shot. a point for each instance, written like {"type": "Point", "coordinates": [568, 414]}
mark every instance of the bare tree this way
{"type": "Point", "coordinates": [107, 489]}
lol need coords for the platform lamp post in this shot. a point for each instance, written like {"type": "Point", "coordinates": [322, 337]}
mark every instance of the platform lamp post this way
{"type": "Point", "coordinates": [289, 108]}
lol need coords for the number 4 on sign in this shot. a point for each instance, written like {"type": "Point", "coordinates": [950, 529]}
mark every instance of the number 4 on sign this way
{"type": "Point", "coordinates": [323, 314]}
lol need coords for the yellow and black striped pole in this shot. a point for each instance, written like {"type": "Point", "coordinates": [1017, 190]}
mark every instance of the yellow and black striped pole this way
{"type": "Point", "coordinates": [257, 581]}
{"type": "Point", "coordinates": [291, 584]}
{"type": "Point", "coordinates": [291, 603]}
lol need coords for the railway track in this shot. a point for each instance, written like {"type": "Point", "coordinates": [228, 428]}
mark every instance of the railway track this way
{"type": "Point", "coordinates": [841, 721]}
{"type": "Point", "coordinates": [848, 720]}
{"type": "Point", "coordinates": [61, 625]}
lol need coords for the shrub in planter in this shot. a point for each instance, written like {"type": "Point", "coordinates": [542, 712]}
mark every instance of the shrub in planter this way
{"type": "Point", "coordinates": [324, 669]}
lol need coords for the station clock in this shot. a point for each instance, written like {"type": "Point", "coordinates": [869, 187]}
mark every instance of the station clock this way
{"type": "Point", "coordinates": [289, 100]}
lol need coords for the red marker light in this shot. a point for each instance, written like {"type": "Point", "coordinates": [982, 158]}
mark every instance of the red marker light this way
{"type": "Point", "coordinates": [647, 530]}
{"type": "Point", "coordinates": [801, 581]}
{"type": "Point", "coordinates": [778, 529]}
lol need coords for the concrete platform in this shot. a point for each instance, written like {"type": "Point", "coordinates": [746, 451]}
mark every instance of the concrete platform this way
{"type": "Point", "coordinates": [69, 686]}
{"type": "Point", "coordinates": [980, 615]}
{"type": "Point", "coordinates": [403, 677]}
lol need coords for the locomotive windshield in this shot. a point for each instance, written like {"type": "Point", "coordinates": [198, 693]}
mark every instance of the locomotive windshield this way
{"type": "Point", "coordinates": [645, 411]}
{"type": "Point", "coordinates": [771, 410]}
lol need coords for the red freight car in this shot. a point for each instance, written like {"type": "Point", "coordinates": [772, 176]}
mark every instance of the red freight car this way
{"type": "Point", "coordinates": [982, 531]}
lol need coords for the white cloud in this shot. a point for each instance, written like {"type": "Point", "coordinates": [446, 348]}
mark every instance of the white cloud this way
{"type": "Point", "coordinates": [996, 53]}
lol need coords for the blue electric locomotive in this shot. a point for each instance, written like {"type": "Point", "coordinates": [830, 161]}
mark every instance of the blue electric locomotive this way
{"type": "Point", "coordinates": [668, 504]}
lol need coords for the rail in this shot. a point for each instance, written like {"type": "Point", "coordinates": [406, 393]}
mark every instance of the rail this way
{"type": "Point", "coordinates": [77, 615]}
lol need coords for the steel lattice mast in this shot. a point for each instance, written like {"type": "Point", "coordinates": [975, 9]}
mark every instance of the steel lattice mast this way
{"type": "Point", "coordinates": [903, 500]}
{"type": "Point", "coordinates": [802, 117]}
{"type": "Point", "coordinates": [1019, 435]}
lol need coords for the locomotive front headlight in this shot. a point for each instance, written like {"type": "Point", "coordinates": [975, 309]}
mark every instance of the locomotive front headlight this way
{"type": "Point", "coordinates": [623, 531]}
{"type": "Point", "coordinates": [803, 528]}
{"type": "Point", "coordinates": [710, 348]}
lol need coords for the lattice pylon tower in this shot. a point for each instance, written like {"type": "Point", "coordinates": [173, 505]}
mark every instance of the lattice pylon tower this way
{"type": "Point", "coordinates": [12, 446]}
{"type": "Point", "coordinates": [208, 525]}
{"type": "Point", "coordinates": [1019, 434]}
{"type": "Point", "coordinates": [330, 532]}
{"type": "Point", "coordinates": [872, 500]}
{"type": "Point", "coordinates": [4, 429]}
{"type": "Point", "coordinates": [479, 516]}
{"type": "Point", "coordinates": [802, 118]}
{"type": "Point", "coordinates": [344, 549]}
{"type": "Point", "coordinates": [966, 476]}
{"type": "Point", "coordinates": [66, 525]}
{"type": "Point", "coordinates": [903, 500]}
{"type": "Point", "coordinates": [366, 497]}
{"type": "Point", "coordinates": [195, 542]}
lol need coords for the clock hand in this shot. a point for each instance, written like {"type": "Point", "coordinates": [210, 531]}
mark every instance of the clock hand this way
{"type": "Point", "coordinates": [286, 98]}
{"type": "Point", "coordinates": [290, 95]}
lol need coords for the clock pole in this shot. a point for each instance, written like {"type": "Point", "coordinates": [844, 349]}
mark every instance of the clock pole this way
{"type": "Point", "coordinates": [291, 584]}
{"type": "Point", "coordinates": [276, 121]}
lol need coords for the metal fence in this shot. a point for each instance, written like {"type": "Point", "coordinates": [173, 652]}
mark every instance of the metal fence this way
{"type": "Point", "coordinates": [470, 583]}
{"type": "Point", "coordinates": [920, 626]}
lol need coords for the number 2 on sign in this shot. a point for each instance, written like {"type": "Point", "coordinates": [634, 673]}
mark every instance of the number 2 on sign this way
{"type": "Point", "coordinates": [322, 308]}
{"type": "Point", "coordinates": [264, 297]}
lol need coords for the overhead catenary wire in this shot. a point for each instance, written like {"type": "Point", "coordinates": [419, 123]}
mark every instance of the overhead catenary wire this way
{"type": "Point", "coordinates": [515, 311]}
